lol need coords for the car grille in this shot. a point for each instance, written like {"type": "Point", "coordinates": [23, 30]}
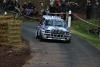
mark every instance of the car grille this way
{"type": "Point", "coordinates": [57, 32]}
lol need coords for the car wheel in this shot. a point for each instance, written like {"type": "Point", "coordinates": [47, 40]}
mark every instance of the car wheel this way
{"type": "Point", "coordinates": [36, 35]}
{"type": "Point", "coordinates": [68, 41]}
{"type": "Point", "coordinates": [40, 36]}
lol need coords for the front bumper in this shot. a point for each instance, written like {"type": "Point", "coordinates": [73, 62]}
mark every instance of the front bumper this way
{"type": "Point", "coordinates": [56, 37]}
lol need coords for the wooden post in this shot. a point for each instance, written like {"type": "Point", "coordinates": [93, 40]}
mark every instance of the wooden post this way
{"type": "Point", "coordinates": [69, 19]}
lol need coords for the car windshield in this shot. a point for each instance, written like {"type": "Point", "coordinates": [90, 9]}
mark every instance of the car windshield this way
{"type": "Point", "coordinates": [58, 23]}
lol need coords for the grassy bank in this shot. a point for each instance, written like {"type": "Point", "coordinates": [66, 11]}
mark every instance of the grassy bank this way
{"type": "Point", "coordinates": [81, 28]}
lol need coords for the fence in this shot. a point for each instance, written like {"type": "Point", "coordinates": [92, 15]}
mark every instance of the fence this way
{"type": "Point", "coordinates": [79, 18]}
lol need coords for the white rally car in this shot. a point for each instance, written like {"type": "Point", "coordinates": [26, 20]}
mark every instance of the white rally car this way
{"type": "Point", "coordinates": [53, 28]}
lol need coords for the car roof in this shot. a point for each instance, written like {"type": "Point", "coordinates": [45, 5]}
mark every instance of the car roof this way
{"type": "Point", "coordinates": [48, 17]}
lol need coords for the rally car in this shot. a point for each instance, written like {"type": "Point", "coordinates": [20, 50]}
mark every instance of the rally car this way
{"type": "Point", "coordinates": [53, 28]}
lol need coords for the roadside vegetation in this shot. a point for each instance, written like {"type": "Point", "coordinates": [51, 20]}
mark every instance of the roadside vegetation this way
{"type": "Point", "coordinates": [82, 29]}
{"type": "Point", "coordinates": [13, 48]}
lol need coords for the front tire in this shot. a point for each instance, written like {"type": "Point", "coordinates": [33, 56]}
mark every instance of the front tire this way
{"type": "Point", "coordinates": [36, 35]}
{"type": "Point", "coordinates": [40, 37]}
{"type": "Point", "coordinates": [68, 41]}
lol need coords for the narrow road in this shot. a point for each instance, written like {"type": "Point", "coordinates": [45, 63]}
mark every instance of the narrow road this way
{"type": "Point", "coordinates": [78, 53]}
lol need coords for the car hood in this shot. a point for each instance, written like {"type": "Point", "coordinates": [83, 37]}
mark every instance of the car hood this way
{"type": "Point", "coordinates": [55, 28]}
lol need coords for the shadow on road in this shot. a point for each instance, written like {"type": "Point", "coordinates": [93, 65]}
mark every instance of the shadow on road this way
{"type": "Point", "coordinates": [54, 41]}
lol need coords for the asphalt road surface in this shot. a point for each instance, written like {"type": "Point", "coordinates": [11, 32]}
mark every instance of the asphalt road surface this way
{"type": "Point", "coordinates": [78, 53]}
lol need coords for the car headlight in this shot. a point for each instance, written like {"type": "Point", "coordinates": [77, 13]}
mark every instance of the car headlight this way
{"type": "Point", "coordinates": [67, 33]}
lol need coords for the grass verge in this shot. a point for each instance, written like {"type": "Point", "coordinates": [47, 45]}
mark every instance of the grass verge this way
{"type": "Point", "coordinates": [81, 28]}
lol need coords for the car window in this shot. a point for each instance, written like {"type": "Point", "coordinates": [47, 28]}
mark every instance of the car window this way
{"type": "Point", "coordinates": [58, 23]}
{"type": "Point", "coordinates": [48, 23]}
